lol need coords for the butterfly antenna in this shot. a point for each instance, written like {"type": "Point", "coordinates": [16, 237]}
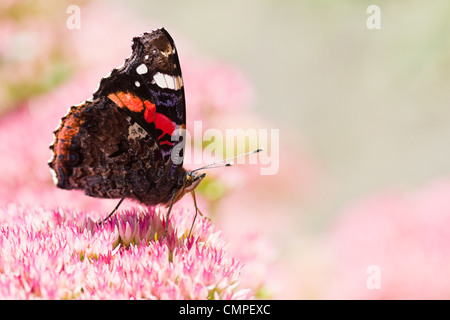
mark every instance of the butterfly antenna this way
{"type": "Point", "coordinates": [227, 164]}
{"type": "Point", "coordinates": [216, 164]}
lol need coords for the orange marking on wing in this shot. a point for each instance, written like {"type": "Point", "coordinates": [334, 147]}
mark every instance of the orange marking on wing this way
{"type": "Point", "coordinates": [127, 99]}
{"type": "Point", "coordinates": [114, 98]}
{"type": "Point", "coordinates": [63, 139]}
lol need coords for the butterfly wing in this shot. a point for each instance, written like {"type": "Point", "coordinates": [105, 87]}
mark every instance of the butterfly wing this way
{"type": "Point", "coordinates": [121, 141]}
{"type": "Point", "coordinates": [149, 87]}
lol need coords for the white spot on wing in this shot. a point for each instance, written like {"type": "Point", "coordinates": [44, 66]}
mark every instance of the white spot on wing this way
{"type": "Point", "coordinates": [167, 81]}
{"type": "Point", "coordinates": [137, 83]}
{"type": "Point", "coordinates": [141, 69]}
{"type": "Point", "coordinates": [170, 82]}
{"type": "Point", "coordinates": [159, 79]}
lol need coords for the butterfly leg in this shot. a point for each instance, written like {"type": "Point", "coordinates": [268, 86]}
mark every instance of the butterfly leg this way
{"type": "Point", "coordinates": [167, 215]}
{"type": "Point", "coordinates": [117, 207]}
{"type": "Point", "coordinates": [197, 210]}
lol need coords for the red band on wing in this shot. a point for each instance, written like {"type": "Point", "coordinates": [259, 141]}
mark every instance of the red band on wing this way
{"type": "Point", "coordinates": [162, 122]}
{"type": "Point", "coordinates": [150, 111]}
{"type": "Point", "coordinates": [133, 103]}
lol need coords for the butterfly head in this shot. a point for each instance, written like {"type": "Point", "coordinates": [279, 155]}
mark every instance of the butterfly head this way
{"type": "Point", "coordinates": [192, 180]}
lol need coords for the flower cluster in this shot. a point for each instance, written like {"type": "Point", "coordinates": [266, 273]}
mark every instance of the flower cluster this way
{"type": "Point", "coordinates": [52, 254]}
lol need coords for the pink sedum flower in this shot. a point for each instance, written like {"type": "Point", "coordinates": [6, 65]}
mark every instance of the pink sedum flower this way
{"type": "Point", "coordinates": [55, 254]}
{"type": "Point", "coordinates": [62, 253]}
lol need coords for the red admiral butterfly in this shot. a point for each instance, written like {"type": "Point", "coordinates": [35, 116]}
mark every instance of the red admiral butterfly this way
{"type": "Point", "coordinates": [128, 140]}
{"type": "Point", "coordinates": [120, 143]}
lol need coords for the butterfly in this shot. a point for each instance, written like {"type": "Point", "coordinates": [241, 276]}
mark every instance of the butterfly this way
{"type": "Point", "coordinates": [127, 141]}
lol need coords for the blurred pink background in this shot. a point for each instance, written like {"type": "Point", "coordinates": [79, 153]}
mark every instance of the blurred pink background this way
{"type": "Point", "coordinates": [363, 118]}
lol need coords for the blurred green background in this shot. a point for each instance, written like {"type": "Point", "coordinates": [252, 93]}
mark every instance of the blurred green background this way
{"type": "Point", "coordinates": [372, 105]}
